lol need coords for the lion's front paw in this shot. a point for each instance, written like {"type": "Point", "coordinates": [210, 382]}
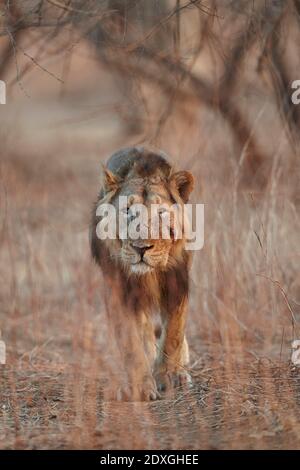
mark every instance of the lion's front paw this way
{"type": "Point", "coordinates": [142, 391]}
{"type": "Point", "coordinates": [169, 379]}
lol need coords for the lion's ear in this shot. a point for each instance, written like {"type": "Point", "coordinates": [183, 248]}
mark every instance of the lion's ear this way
{"type": "Point", "coordinates": [184, 183]}
{"type": "Point", "coordinates": [109, 181]}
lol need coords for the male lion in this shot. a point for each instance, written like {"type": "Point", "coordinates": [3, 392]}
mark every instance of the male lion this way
{"type": "Point", "coordinates": [144, 275]}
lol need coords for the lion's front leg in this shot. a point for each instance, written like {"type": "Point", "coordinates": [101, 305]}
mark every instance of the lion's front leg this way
{"type": "Point", "coordinates": [135, 381]}
{"type": "Point", "coordinates": [146, 328]}
{"type": "Point", "coordinates": [170, 368]}
{"type": "Point", "coordinates": [140, 384]}
{"type": "Point", "coordinates": [132, 337]}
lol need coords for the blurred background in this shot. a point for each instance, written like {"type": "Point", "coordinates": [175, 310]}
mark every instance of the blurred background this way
{"type": "Point", "coordinates": [210, 83]}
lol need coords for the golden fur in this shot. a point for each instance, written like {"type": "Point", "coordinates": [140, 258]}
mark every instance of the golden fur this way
{"type": "Point", "coordinates": [144, 276]}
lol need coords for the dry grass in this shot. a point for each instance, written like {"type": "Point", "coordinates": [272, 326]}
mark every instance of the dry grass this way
{"type": "Point", "coordinates": [220, 106]}
{"type": "Point", "coordinates": [244, 305]}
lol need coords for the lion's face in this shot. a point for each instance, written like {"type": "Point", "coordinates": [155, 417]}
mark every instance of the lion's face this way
{"type": "Point", "coordinates": [146, 250]}
{"type": "Point", "coordinates": [152, 244]}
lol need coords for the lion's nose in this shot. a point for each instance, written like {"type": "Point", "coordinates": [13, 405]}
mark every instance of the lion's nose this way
{"type": "Point", "coordinates": [141, 250]}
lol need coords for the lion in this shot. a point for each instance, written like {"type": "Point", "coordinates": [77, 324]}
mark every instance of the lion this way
{"type": "Point", "coordinates": [146, 275]}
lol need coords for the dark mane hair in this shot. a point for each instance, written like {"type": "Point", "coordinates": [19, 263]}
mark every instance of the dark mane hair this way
{"type": "Point", "coordinates": [142, 160]}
